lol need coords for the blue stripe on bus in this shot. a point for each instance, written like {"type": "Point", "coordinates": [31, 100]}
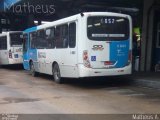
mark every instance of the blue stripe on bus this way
{"type": "Point", "coordinates": [30, 30]}
{"type": "Point", "coordinates": [30, 55]}
{"type": "Point", "coordinates": [119, 51]}
{"type": "Point", "coordinates": [33, 54]}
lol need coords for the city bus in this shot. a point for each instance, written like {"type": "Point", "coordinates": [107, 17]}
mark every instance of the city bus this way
{"type": "Point", "coordinates": [11, 48]}
{"type": "Point", "coordinates": [84, 45]}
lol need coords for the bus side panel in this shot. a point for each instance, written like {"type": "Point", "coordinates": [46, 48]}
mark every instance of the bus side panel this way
{"type": "Point", "coordinates": [26, 62]}
{"type": "Point", "coordinates": [30, 56]}
{"type": "Point", "coordinates": [4, 60]}
{"type": "Point", "coordinates": [33, 57]}
{"type": "Point", "coordinates": [40, 61]}
{"type": "Point", "coordinates": [16, 55]}
{"type": "Point", "coordinates": [49, 58]}
{"type": "Point", "coordinates": [119, 51]}
{"type": "Point", "coordinates": [81, 42]}
{"type": "Point", "coordinates": [4, 53]}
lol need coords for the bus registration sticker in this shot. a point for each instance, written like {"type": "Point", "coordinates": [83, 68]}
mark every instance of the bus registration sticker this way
{"type": "Point", "coordinates": [16, 56]}
{"type": "Point", "coordinates": [93, 58]}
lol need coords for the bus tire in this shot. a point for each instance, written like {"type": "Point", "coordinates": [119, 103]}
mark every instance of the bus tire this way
{"type": "Point", "coordinates": [32, 70]}
{"type": "Point", "coordinates": [56, 73]}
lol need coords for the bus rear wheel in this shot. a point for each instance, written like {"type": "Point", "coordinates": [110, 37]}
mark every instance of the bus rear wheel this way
{"type": "Point", "coordinates": [32, 70]}
{"type": "Point", "coordinates": [56, 73]}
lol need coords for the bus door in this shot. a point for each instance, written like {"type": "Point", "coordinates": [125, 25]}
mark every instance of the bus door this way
{"type": "Point", "coordinates": [69, 53]}
{"type": "Point", "coordinates": [41, 46]}
{"type": "Point", "coordinates": [108, 41]}
{"type": "Point", "coordinates": [25, 52]}
{"type": "Point", "coordinates": [42, 60]}
{"type": "Point", "coordinates": [29, 51]}
{"type": "Point", "coordinates": [72, 58]}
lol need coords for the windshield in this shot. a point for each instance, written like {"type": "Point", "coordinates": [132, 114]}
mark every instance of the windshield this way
{"type": "Point", "coordinates": [107, 28]}
{"type": "Point", "coordinates": [16, 39]}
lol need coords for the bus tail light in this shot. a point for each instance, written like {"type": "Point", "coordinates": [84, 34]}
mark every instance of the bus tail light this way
{"type": "Point", "coordinates": [10, 54]}
{"type": "Point", "coordinates": [86, 59]}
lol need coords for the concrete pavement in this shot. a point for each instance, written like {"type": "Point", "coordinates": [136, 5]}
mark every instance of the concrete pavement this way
{"type": "Point", "coordinates": [22, 93]}
{"type": "Point", "coordinates": [146, 79]}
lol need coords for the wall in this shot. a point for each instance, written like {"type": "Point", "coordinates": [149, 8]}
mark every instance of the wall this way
{"type": "Point", "coordinates": [147, 28]}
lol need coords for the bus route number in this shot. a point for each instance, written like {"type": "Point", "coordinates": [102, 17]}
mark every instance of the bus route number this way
{"type": "Point", "coordinates": [109, 21]}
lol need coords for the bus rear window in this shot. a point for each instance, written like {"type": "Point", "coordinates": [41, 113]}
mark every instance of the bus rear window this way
{"type": "Point", "coordinates": [15, 39]}
{"type": "Point", "coordinates": [107, 28]}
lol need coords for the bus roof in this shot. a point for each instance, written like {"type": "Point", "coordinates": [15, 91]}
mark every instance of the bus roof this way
{"type": "Point", "coordinates": [70, 18]}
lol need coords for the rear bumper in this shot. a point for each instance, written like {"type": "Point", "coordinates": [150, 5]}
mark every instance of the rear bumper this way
{"type": "Point", "coordinates": [15, 61]}
{"type": "Point", "coordinates": [89, 72]}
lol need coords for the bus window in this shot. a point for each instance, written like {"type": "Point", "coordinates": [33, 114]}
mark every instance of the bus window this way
{"type": "Point", "coordinates": [50, 37]}
{"type": "Point", "coordinates": [107, 28]}
{"type": "Point", "coordinates": [62, 36]}
{"type": "Point", "coordinates": [3, 43]}
{"type": "Point", "coordinates": [41, 39]}
{"type": "Point", "coordinates": [72, 35]}
{"type": "Point", "coordinates": [33, 40]}
{"type": "Point", "coordinates": [15, 39]}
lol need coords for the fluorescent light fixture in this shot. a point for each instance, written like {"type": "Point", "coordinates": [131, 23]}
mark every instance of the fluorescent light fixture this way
{"type": "Point", "coordinates": [120, 20]}
{"type": "Point", "coordinates": [89, 26]}
{"type": "Point", "coordinates": [42, 22]}
{"type": "Point", "coordinates": [97, 24]}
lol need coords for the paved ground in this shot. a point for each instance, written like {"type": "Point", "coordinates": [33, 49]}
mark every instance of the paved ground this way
{"type": "Point", "coordinates": [22, 93]}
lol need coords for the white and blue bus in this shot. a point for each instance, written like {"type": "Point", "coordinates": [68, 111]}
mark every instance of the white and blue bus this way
{"type": "Point", "coordinates": [84, 45]}
{"type": "Point", "coordinates": [11, 48]}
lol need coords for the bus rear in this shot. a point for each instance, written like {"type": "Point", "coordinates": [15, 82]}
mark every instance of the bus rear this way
{"type": "Point", "coordinates": [15, 48]}
{"type": "Point", "coordinates": [108, 46]}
